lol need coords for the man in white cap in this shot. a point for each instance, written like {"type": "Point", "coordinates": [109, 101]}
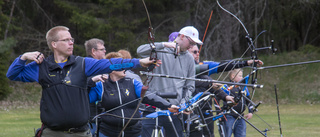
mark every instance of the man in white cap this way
{"type": "Point", "coordinates": [182, 66]}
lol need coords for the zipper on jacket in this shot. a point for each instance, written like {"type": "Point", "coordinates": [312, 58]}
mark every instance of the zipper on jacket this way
{"type": "Point", "coordinates": [120, 101]}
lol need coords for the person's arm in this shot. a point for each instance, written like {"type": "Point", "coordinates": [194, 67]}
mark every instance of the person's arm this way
{"type": "Point", "coordinates": [145, 50]}
{"type": "Point", "coordinates": [190, 84]}
{"type": "Point", "coordinates": [102, 66]}
{"type": "Point", "coordinates": [229, 65]}
{"type": "Point", "coordinates": [203, 84]}
{"type": "Point", "coordinates": [150, 98]}
{"type": "Point", "coordinates": [19, 71]}
{"type": "Point", "coordinates": [212, 66]}
{"type": "Point", "coordinates": [95, 93]}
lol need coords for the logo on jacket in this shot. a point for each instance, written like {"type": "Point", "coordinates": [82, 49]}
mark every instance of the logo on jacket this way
{"type": "Point", "coordinates": [52, 75]}
{"type": "Point", "coordinates": [127, 92]}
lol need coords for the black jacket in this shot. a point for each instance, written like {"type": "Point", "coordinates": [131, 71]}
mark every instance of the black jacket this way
{"type": "Point", "coordinates": [242, 103]}
{"type": "Point", "coordinates": [117, 93]}
{"type": "Point", "coordinates": [64, 103]}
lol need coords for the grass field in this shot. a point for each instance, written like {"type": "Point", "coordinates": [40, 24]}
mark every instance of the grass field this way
{"type": "Point", "coordinates": [296, 121]}
{"type": "Point", "coordinates": [19, 122]}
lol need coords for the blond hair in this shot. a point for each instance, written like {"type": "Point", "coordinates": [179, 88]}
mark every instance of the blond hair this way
{"type": "Point", "coordinates": [126, 54]}
{"type": "Point", "coordinates": [52, 34]}
{"type": "Point", "coordinates": [233, 73]}
{"type": "Point", "coordinates": [113, 55]}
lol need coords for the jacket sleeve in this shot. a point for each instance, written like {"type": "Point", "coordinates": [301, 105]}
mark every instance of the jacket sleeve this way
{"type": "Point", "coordinates": [19, 71]}
{"type": "Point", "coordinates": [220, 94]}
{"type": "Point", "coordinates": [150, 98]}
{"type": "Point", "coordinates": [155, 100]}
{"type": "Point", "coordinates": [90, 83]}
{"type": "Point", "coordinates": [203, 84]}
{"type": "Point", "coordinates": [95, 93]}
{"type": "Point", "coordinates": [102, 66]}
{"type": "Point", "coordinates": [145, 50]}
{"type": "Point", "coordinates": [189, 86]}
{"type": "Point", "coordinates": [229, 65]}
{"type": "Point", "coordinates": [214, 67]}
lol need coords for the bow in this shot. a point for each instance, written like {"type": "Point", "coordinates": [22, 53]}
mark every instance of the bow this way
{"type": "Point", "coordinates": [153, 56]}
{"type": "Point", "coordinates": [254, 57]}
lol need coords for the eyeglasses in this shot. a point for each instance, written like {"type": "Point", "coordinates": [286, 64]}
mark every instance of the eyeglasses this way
{"type": "Point", "coordinates": [191, 42]}
{"type": "Point", "coordinates": [196, 51]}
{"type": "Point", "coordinates": [101, 49]}
{"type": "Point", "coordinates": [67, 40]}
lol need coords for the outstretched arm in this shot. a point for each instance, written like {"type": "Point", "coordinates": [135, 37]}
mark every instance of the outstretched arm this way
{"type": "Point", "coordinates": [94, 67]}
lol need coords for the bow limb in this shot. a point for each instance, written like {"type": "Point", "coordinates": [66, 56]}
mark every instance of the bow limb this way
{"type": "Point", "coordinates": [251, 46]}
{"type": "Point", "coordinates": [206, 31]}
{"type": "Point", "coordinates": [153, 56]}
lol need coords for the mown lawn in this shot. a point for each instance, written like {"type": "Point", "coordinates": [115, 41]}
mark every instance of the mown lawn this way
{"type": "Point", "coordinates": [19, 122]}
{"type": "Point", "coordinates": [296, 121]}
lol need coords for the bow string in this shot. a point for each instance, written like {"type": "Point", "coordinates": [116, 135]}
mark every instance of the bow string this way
{"type": "Point", "coordinates": [153, 56]}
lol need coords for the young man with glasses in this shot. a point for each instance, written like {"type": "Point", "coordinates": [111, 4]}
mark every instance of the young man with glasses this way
{"type": "Point", "coordinates": [213, 67]}
{"type": "Point", "coordinates": [181, 65]}
{"type": "Point", "coordinates": [64, 106]}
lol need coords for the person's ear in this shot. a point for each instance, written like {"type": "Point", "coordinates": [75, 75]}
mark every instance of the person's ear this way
{"type": "Point", "coordinates": [232, 76]}
{"type": "Point", "coordinates": [53, 44]}
{"type": "Point", "coordinates": [181, 36]}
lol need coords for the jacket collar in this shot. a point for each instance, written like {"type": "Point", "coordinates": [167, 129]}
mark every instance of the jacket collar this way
{"type": "Point", "coordinates": [119, 81]}
{"type": "Point", "coordinates": [53, 65]}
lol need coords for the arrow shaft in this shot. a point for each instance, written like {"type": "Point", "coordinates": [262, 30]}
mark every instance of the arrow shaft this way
{"type": "Point", "coordinates": [202, 80]}
{"type": "Point", "coordinates": [292, 64]}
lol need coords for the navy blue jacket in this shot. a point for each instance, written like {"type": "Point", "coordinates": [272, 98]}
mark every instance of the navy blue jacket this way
{"type": "Point", "coordinates": [64, 102]}
{"type": "Point", "coordinates": [126, 93]}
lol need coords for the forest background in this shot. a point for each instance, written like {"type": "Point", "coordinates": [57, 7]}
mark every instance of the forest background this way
{"type": "Point", "coordinates": [123, 24]}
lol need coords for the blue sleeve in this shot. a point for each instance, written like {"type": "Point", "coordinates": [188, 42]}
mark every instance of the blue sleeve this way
{"type": "Point", "coordinates": [213, 66]}
{"type": "Point", "coordinates": [102, 66]}
{"type": "Point", "coordinates": [19, 71]}
{"type": "Point", "coordinates": [138, 87]}
{"type": "Point", "coordinates": [95, 93]}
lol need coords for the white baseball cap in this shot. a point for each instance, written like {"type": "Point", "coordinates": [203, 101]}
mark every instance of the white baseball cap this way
{"type": "Point", "coordinates": [191, 32]}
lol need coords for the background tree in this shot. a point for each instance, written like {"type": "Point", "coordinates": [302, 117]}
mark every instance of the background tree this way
{"type": "Point", "coordinates": [123, 24]}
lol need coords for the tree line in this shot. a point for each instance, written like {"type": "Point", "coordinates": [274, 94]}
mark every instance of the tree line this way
{"type": "Point", "coordinates": [123, 24]}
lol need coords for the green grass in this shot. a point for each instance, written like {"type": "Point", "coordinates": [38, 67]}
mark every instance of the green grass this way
{"type": "Point", "coordinates": [296, 121]}
{"type": "Point", "coordinates": [295, 84]}
{"type": "Point", "coordinates": [19, 122]}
